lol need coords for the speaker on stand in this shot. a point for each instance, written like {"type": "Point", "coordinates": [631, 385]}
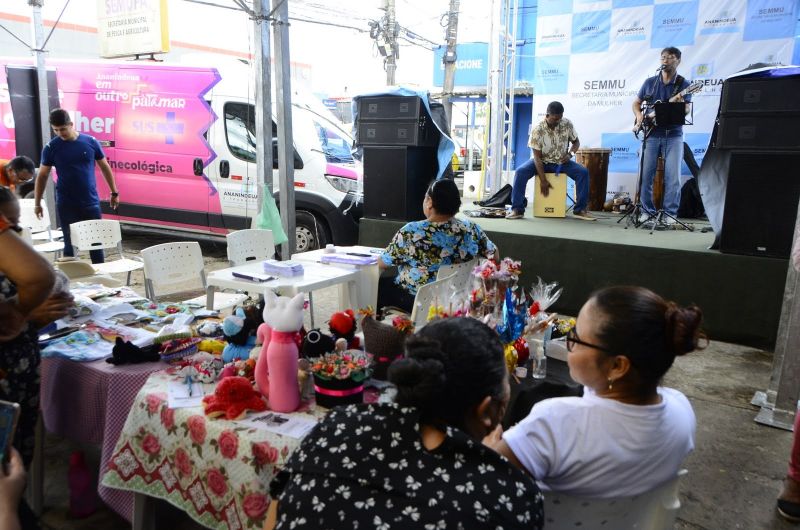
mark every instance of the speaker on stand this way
{"type": "Point", "coordinates": [399, 142]}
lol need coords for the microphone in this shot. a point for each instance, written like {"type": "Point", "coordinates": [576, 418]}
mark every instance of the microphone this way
{"type": "Point", "coordinates": [661, 67]}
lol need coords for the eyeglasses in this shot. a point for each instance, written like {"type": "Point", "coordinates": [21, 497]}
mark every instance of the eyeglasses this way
{"type": "Point", "coordinates": [572, 340]}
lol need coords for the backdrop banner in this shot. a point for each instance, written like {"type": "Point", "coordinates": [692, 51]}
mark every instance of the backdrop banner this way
{"type": "Point", "coordinates": [593, 56]}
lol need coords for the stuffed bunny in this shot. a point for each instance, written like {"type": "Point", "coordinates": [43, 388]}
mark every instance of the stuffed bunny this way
{"type": "Point", "coordinates": [276, 368]}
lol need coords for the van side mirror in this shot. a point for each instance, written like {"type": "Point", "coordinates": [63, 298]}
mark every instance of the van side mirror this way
{"type": "Point", "coordinates": [224, 169]}
{"type": "Point", "coordinates": [197, 167]}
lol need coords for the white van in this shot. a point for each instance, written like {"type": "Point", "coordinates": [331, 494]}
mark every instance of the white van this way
{"type": "Point", "coordinates": [181, 142]}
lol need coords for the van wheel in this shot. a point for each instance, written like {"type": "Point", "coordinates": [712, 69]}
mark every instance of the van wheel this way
{"type": "Point", "coordinates": [310, 233]}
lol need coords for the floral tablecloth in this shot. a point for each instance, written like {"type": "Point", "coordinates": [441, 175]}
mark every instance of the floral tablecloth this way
{"type": "Point", "coordinates": [217, 471]}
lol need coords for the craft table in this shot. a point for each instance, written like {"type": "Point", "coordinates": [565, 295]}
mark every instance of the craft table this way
{"type": "Point", "coordinates": [88, 402]}
{"type": "Point", "coordinates": [215, 470]}
{"type": "Point", "coordinates": [367, 280]}
{"type": "Point", "coordinates": [315, 276]}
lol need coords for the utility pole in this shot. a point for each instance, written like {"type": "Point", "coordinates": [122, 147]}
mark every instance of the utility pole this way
{"type": "Point", "coordinates": [449, 60]}
{"type": "Point", "coordinates": [37, 31]}
{"type": "Point", "coordinates": [263, 98]}
{"type": "Point", "coordinates": [283, 92]}
{"type": "Point", "coordinates": [391, 38]}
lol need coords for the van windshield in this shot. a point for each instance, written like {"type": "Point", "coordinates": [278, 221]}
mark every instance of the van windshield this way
{"type": "Point", "coordinates": [335, 144]}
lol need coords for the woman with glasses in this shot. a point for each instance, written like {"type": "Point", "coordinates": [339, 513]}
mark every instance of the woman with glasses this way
{"type": "Point", "coordinates": [418, 462]}
{"type": "Point", "coordinates": [419, 248]}
{"type": "Point", "coordinates": [627, 434]}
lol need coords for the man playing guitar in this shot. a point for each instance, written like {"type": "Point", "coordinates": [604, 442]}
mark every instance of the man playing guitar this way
{"type": "Point", "coordinates": [667, 141]}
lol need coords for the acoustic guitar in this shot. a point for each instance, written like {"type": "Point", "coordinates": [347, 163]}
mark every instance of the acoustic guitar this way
{"type": "Point", "coordinates": [649, 117]}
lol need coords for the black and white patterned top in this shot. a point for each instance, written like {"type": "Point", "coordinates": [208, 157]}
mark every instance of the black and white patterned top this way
{"type": "Point", "coordinates": [364, 466]}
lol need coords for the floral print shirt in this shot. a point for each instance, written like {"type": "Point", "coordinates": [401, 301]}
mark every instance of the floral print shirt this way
{"type": "Point", "coordinates": [364, 466]}
{"type": "Point", "coordinates": [420, 247]}
{"type": "Point", "coordinates": [553, 143]}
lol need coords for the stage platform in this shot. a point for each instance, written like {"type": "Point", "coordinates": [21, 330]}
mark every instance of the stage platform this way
{"type": "Point", "coordinates": [740, 296]}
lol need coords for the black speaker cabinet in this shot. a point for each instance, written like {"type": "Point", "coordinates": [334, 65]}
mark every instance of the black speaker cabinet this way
{"type": "Point", "coordinates": [759, 132]}
{"type": "Point", "coordinates": [373, 108]}
{"type": "Point", "coordinates": [395, 181]}
{"type": "Point", "coordinates": [397, 132]}
{"type": "Point", "coordinates": [760, 204]}
{"type": "Point", "coordinates": [761, 94]}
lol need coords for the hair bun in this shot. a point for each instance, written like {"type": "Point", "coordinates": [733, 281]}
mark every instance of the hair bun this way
{"type": "Point", "coordinates": [420, 377]}
{"type": "Point", "coordinates": [683, 327]}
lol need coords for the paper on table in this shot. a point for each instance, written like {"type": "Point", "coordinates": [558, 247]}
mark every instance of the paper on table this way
{"type": "Point", "coordinates": [293, 425]}
{"type": "Point", "coordinates": [178, 395]}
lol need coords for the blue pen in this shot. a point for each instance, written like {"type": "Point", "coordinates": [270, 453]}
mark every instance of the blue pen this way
{"type": "Point", "coordinates": [189, 384]}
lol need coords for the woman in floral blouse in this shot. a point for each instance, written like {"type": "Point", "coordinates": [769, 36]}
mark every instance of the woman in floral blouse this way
{"type": "Point", "coordinates": [420, 247]}
{"type": "Point", "coordinates": [418, 462]}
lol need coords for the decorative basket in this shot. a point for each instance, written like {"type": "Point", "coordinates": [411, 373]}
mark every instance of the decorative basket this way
{"type": "Point", "coordinates": [331, 393]}
{"type": "Point", "coordinates": [385, 342]}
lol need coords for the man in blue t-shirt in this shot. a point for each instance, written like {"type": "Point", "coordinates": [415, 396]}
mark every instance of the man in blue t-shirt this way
{"type": "Point", "coordinates": [74, 155]}
{"type": "Point", "coordinates": [664, 140]}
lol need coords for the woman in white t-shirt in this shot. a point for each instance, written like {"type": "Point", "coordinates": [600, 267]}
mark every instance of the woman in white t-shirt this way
{"type": "Point", "coordinates": [627, 434]}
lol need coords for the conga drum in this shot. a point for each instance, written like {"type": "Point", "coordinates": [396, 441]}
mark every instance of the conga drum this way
{"type": "Point", "coordinates": [595, 159]}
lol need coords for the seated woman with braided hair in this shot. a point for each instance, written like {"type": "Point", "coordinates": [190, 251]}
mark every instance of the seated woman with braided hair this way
{"type": "Point", "coordinates": [417, 462]}
{"type": "Point", "coordinates": [627, 434]}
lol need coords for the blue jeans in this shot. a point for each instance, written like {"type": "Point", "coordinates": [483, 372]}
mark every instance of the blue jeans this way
{"type": "Point", "coordinates": [670, 146]}
{"type": "Point", "coordinates": [572, 169]}
{"type": "Point", "coordinates": [69, 214]}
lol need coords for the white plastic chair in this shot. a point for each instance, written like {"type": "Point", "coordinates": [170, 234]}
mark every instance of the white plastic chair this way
{"type": "Point", "coordinates": [248, 245]}
{"type": "Point", "coordinates": [463, 271]}
{"type": "Point", "coordinates": [28, 219]}
{"type": "Point", "coordinates": [173, 263]}
{"type": "Point", "coordinates": [654, 510]}
{"type": "Point", "coordinates": [97, 234]}
{"type": "Point", "coordinates": [437, 291]}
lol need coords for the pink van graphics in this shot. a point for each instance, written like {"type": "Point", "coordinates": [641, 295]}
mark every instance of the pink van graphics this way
{"type": "Point", "coordinates": [181, 142]}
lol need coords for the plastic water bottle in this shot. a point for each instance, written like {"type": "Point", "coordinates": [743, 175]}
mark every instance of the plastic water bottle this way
{"type": "Point", "coordinates": [538, 359]}
{"type": "Point", "coordinates": [82, 497]}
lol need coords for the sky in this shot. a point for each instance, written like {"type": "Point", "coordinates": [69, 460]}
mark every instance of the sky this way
{"type": "Point", "coordinates": [343, 60]}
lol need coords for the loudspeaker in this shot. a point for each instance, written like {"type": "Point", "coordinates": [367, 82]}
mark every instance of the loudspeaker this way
{"type": "Point", "coordinates": [760, 204]}
{"type": "Point", "coordinates": [373, 108]}
{"type": "Point", "coordinates": [395, 181]}
{"type": "Point", "coordinates": [759, 132]}
{"type": "Point", "coordinates": [761, 94]}
{"type": "Point", "coordinates": [23, 89]}
{"type": "Point", "coordinates": [397, 132]}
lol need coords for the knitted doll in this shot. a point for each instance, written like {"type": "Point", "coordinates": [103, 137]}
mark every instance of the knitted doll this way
{"type": "Point", "coordinates": [238, 331]}
{"type": "Point", "coordinates": [343, 325]}
{"type": "Point", "coordinates": [276, 368]}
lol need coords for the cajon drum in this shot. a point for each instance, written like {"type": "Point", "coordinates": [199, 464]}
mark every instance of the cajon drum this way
{"type": "Point", "coordinates": [555, 204]}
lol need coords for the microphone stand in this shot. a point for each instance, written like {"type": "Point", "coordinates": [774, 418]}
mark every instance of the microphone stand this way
{"type": "Point", "coordinates": [632, 216]}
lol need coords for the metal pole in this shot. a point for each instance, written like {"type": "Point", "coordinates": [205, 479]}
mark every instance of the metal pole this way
{"type": "Point", "coordinates": [37, 30]}
{"type": "Point", "coordinates": [283, 92]}
{"type": "Point", "coordinates": [263, 101]}
{"type": "Point", "coordinates": [449, 60]}
{"type": "Point", "coordinates": [391, 28]}
{"type": "Point", "coordinates": [779, 402]}
{"type": "Point", "coordinates": [497, 96]}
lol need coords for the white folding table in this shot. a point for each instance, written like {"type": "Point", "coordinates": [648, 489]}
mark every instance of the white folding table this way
{"type": "Point", "coordinates": [315, 276]}
{"type": "Point", "coordinates": [368, 275]}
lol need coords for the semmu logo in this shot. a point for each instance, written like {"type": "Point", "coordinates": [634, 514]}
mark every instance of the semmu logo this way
{"type": "Point", "coordinates": [604, 84]}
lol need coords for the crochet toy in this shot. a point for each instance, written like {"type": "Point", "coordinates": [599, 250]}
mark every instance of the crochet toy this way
{"type": "Point", "coordinates": [316, 344]}
{"type": "Point", "coordinates": [276, 368]}
{"type": "Point", "coordinates": [212, 346]}
{"type": "Point", "coordinates": [343, 325]}
{"type": "Point", "coordinates": [238, 331]}
{"type": "Point", "coordinates": [125, 352]}
{"type": "Point", "coordinates": [233, 398]}
{"type": "Point", "coordinates": [174, 350]}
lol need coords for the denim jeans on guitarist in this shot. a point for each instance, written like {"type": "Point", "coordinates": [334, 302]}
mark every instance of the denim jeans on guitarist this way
{"type": "Point", "coordinates": [670, 145]}
{"type": "Point", "coordinates": [572, 169]}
